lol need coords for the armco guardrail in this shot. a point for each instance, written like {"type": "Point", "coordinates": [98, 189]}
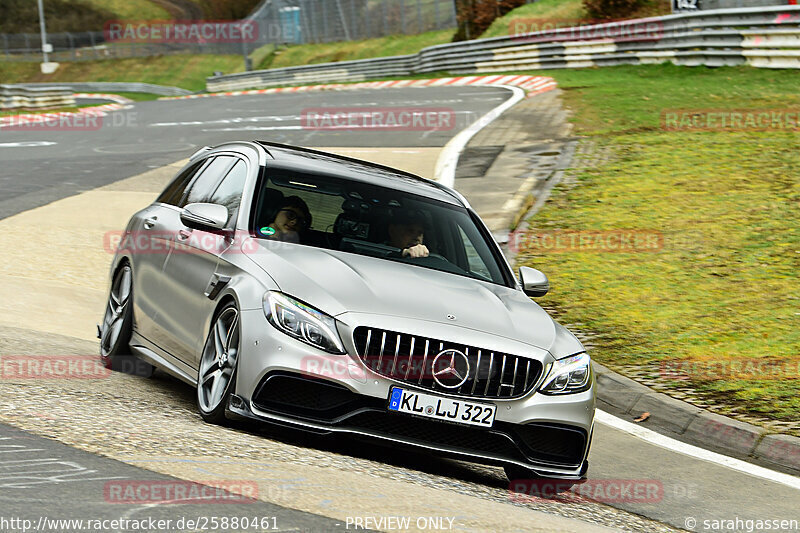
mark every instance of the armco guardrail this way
{"type": "Point", "coordinates": [760, 37]}
{"type": "Point", "coordinates": [113, 87]}
{"type": "Point", "coordinates": [17, 97]}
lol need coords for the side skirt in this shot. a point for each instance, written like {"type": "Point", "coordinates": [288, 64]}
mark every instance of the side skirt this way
{"type": "Point", "coordinates": [157, 357]}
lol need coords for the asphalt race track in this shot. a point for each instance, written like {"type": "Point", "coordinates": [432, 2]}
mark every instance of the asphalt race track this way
{"type": "Point", "coordinates": [153, 134]}
{"type": "Point", "coordinates": [63, 443]}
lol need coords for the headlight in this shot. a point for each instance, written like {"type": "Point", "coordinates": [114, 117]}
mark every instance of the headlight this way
{"type": "Point", "coordinates": [569, 375]}
{"type": "Point", "coordinates": [302, 322]}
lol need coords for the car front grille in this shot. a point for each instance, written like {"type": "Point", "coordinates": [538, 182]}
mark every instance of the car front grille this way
{"type": "Point", "coordinates": [409, 359]}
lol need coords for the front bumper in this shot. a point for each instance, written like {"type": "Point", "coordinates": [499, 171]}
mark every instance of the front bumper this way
{"type": "Point", "coordinates": [284, 381]}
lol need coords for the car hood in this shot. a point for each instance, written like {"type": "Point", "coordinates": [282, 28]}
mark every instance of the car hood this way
{"type": "Point", "coordinates": [338, 282]}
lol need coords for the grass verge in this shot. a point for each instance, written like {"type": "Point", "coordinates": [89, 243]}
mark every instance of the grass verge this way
{"type": "Point", "coordinates": [182, 70]}
{"type": "Point", "coordinates": [543, 14]}
{"type": "Point", "coordinates": [139, 97]}
{"type": "Point", "coordinates": [717, 308]}
{"type": "Point", "coordinates": [392, 45]}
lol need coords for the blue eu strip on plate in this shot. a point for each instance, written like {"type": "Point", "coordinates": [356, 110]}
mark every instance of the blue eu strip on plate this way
{"type": "Point", "coordinates": [394, 404]}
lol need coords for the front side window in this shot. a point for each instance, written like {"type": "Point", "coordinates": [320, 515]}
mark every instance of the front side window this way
{"type": "Point", "coordinates": [203, 185]}
{"type": "Point", "coordinates": [365, 219]}
{"type": "Point", "coordinates": [229, 192]}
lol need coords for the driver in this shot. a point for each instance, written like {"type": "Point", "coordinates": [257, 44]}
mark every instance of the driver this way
{"type": "Point", "coordinates": [406, 231]}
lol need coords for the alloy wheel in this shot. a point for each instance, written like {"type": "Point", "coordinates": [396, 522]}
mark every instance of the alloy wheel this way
{"type": "Point", "coordinates": [218, 362]}
{"type": "Point", "coordinates": [117, 311]}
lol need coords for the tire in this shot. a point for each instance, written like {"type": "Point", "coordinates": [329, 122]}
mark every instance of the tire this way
{"type": "Point", "coordinates": [117, 328]}
{"type": "Point", "coordinates": [216, 376]}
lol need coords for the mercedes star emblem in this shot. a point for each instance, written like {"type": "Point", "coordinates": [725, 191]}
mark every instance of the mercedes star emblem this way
{"type": "Point", "coordinates": [450, 369]}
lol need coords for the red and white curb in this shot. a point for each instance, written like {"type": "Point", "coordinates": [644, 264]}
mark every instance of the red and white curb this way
{"type": "Point", "coordinates": [99, 111]}
{"type": "Point", "coordinates": [531, 84]}
{"type": "Point", "coordinates": [104, 96]}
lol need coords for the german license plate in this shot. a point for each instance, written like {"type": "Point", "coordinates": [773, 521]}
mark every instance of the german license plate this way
{"type": "Point", "coordinates": [440, 408]}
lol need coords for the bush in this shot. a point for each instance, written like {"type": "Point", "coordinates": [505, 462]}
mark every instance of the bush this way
{"type": "Point", "coordinates": [22, 16]}
{"type": "Point", "coordinates": [227, 9]}
{"type": "Point", "coordinates": [611, 9]}
{"type": "Point", "coordinates": [478, 15]}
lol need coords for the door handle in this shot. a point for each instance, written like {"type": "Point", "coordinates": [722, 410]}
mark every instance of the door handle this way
{"type": "Point", "coordinates": [150, 222]}
{"type": "Point", "coordinates": [183, 234]}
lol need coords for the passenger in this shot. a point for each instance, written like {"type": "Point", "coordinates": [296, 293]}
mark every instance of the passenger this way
{"type": "Point", "coordinates": [291, 220]}
{"type": "Point", "coordinates": [406, 231]}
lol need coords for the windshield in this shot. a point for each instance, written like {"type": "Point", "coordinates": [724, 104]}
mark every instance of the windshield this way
{"type": "Point", "coordinates": [365, 219]}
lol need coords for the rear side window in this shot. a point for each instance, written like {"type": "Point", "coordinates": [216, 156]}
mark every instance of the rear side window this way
{"type": "Point", "coordinates": [174, 192]}
{"type": "Point", "coordinates": [203, 185]}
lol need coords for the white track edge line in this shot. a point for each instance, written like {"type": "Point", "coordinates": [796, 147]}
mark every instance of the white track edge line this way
{"type": "Point", "coordinates": [447, 161]}
{"type": "Point", "coordinates": [691, 450]}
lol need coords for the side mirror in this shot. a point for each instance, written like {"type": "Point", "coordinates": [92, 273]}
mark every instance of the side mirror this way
{"type": "Point", "coordinates": [205, 217]}
{"type": "Point", "coordinates": [534, 282]}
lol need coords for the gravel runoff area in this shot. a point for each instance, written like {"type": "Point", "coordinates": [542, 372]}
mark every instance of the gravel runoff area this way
{"type": "Point", "coordinates": [152, 423]}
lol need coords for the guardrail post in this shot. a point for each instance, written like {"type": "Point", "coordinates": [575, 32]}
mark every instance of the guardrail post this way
{"type": "Point", "coordinates": [344, 20]}
{"type": "Point", "coordinates": [353, 20]}
{"type": "Point", "coordinates": [304, 29]}
{"type": "Point", "coordinates": [305, 22]}
{"type": "Point", "coordinates": [94, 44]}
{"type": "Point", "coordinates": [5, 45]}
{"type": "Point", "coordinates": [71, 45]}
{"type": "Point", "coordinates": [314, 21]}
{"type": "Point", "coordinates": [325, 22]}
{"type": "Point", "coordinates": [435, 14]}
{"type": "Point", "coordinates": [403, 15]}
{"type": "Point", "coordinates": [385, 18]}
{"type": "Point", "coordinates": [419, 17]}
{"type": "Point", "coordinates": [366, 23]}
{"type": "Point", "coordinates": [319, 25]}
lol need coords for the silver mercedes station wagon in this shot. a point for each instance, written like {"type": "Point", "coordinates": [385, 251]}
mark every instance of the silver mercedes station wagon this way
{"type": "Point", "coordinates": [302, 288]}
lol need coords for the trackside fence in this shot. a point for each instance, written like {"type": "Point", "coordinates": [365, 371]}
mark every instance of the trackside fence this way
{"type": "Point", "coordinates": [766, 37]}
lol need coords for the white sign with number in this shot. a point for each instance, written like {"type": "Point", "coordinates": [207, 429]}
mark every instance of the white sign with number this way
{"type": "Point", "coordinates": [685, 5]}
